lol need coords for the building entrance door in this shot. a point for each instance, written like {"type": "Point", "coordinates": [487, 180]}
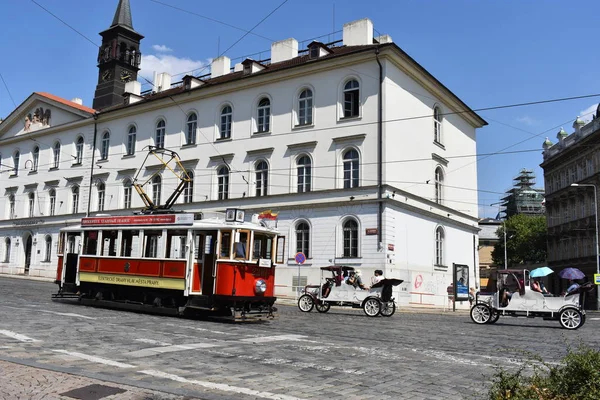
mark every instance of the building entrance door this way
{"type": "Point", "coordinates": [28, 246]}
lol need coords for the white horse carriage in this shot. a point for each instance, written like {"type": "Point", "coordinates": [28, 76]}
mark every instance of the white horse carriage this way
{"type": "Point", "coordinates": [510, 294]}
{"type": "Point", "coordinates": [336, 290]}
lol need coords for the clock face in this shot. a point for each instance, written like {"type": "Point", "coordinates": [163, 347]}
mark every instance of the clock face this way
{"type": "Point", "coordinates": [106, 75]}
{"type": "Point", "coordinates": [125, 76]}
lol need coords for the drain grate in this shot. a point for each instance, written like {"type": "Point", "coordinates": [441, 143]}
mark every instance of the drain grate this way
{"type": "Point", "coordinates": [92, 392]}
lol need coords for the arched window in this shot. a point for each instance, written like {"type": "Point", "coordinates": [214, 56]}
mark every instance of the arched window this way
{"type": "Point", "coordinates": [350, 229]}
{"type": "Point", "coordinates": [303, 238]}
{"type": "Point", "coordinates": [16, 162]}
{"type": "Point", "coordinates": [79, 150]}
{"type": "Point", "coordinates": [75, 199]}
{"type": "Point", "coordinates": [226, 118]}
{"type": "Point", "coordinates": [262, 178]}
{"type": "Point", "coordinates": [264, 115]}
{"type": "Point", "coordinates": [52, 202]}
{"type": "Point", "coordinates": [31, 204]}
{"type": "Point", "coordinates": [351, 99]}
{"type": "Point", "coordinates": [127, 193]}
{"type": "Point", "coordinates": [305, 107]}
{"type": "Point", "coordinates": [11, 206]}
{"type": "Point", "coordinates": [56, 155]}
{"type": "Point", "coordinates": [304, 174]}
{"type": "Point", "coordinates": [156, 189]}
{"type": "Point", "coordinates": [131, 137]}
{"type": "Point", "coordinates": [192, 127]}
{"type": "Point", "coordinates": [188, 190]}
{"type": "Point", "coordinates": [439, 185]}
{"type": "Point", "coordinates": [36, 158]}
{"type": "Point", "coordinates": [437, 124]}
{"type": "Point", "coordinates": [104, 146]}
{"type": "Point", "coordinates": [7, 250]}
{"type": "Point", "coordinates": [48, 252]}
{"type": "Point", "coordinates": [439, 246]}
{"type": "Point", "coordinates": [101, 195]}
{"type": "Point", "coordinates": [223, 183]}
{"type": "Point", "coordinates": [351, 163]}
{"type": "Point", "coordinates": [159, 139]}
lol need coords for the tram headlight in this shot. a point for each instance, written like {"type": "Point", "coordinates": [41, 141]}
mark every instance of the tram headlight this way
{"type": "Point", "coordinates": [260, 286]}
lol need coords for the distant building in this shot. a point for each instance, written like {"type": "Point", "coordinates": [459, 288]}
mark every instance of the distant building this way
{"type": "Point", "coordinates": [523, 198]}
{"type": "Point", "coordinates": [572, 210]}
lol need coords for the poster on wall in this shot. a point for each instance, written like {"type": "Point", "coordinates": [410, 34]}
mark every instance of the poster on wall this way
{"type": "Point", "coordinates": [461, 282]}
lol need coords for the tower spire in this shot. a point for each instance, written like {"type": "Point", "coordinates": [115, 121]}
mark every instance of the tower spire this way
{"type": "Point", "coordinates": [123, 15]}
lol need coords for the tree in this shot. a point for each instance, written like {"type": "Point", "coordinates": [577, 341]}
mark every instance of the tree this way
{"type": "Point", "coordinates": [525, 240]}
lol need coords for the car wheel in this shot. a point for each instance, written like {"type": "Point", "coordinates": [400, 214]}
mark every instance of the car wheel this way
{"type": "Point", "coordinates": [494, 318]}
{"type": "Point", "coordinates": [372, 307]}
{"type": "Point", "coordinates": [306, 303]}
{"type": "Point", "coordinates": [571, 318]}
{"type": "Point", "coordinates": [388, 308]}
{"type": "Point", "coordinates": [323, 307]}
{"type": "Point", "coordinates": [481, 314]}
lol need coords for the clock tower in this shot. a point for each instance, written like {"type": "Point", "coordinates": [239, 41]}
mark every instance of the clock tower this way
{"type": "Point", "coordinates": [118, 58]}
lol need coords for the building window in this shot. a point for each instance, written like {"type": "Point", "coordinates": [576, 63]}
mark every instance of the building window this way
{"type": "Point", "coordinates": [262, 178]}
{"type": "Point", "coordinates": [188, 190]}
{"type": "Point", "coordinates": [56, 155]}
{"type": "Point", "coordinates": [350, 229]}
{"type": "Point", "coordinates": [350, 161]}
{"type": "Point", "coordinates": [79, 150]}
{"type": "Point", "coordinates": [159, 139]}
{"type": "Point", "coordinates": [11, 207]}
{"type": "Point", "coordinates": [52, 202]}
{"type": "Point", "coordinates": [36, 159]}
{"type": "Point", "coordinates": [305, 107]}
{"type": "Point", "coordinates": [437, 124]}
{"type": "Point", "coordinates": [304, 174]}
{"type": "Point", "coordinates": [226, 118]}
{"type": "Point", "coordinates": [75, 199]}
{"type": "Point", "coordinates": [16, 162]}
{"type": "Point", "coordinates": [303, 238]}
{"type": "Point", "coordinates": [101, 196]}
{"type": "Point", "coordinates": [127, 194]}
{"type": "Point", "coordinates": [7, 251]}
{"type": "Point", "coordinates": [156, 189]}
{"type": "Point", "coordinates": [439, 185]}
{"type": "Point", "coordinates": [192, 127]}
{"type": "Point", "coordinates": [104, 146]}
{"type": "Point", "coordinates": [264, 115]}
{"type": "Point", "coordinates": [351, 99]}
{"type": "Point", "coordinates": [131, 136]}
{"type": "Point", "coordinates": [31, 204]}
{"type": "Point", "coordinates": [223, 183]}
{"type": "Point", "coordinates": [48, 252]}
{"type": "Point", "coordinates": [439, 246]}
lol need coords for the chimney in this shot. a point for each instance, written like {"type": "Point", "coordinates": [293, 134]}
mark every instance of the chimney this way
{"type": "Point", "coordinates": [384, 39]}
{"type": "Point", "coordinates": [220, 66]}
{"type": "Point", "coordinates": [163, 82]}
{"type": "Point", "coordinates": [358, 33]}
{"type": "Point", "coordinates": [133, 87]}
{"type": "Point", "coordinates": [238, 67]}
{"type": "Point", "coordinates": [77, 100]}
{"type": "Point", "coordinates": [284, 50]}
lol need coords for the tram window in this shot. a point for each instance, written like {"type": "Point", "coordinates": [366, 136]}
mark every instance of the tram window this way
{"type": "Point", "coordinates": [225, 244]}
{"type": "Point", "coordinates": [90, 242]}
{"type": "Point", "coordinates": [176, 243]}
{"type": "Point", "coordinates": [61, 243]}
{"type": "Point", "coordinates": [72, 239]}
{"type": "Point", "coordinates": [241, 245]}
{"type": "Point", "coordinates": [109, 246]}
{"type": "Point", "coordinates": [262, 246]}
{"type": "Point", "coordinates": [130, 241]}
{"type": "Point", "coordinates": [208, 245]}
{"type": "Point", "coordinates": [152, 243]}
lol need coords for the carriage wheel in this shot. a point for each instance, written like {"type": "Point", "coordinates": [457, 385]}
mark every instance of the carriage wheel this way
{"type": "Point", "coordinates": [571, 318]}
{"type": "Point", "coordinates": [481, 314]}
{"type": "Point", "coordinates": [494, 318]}
{"type": "Point", "coordinates": [306, 303]}
{"type": "Point", "coordinates": [323, 306]}
{"type": "Point", "coordinates": [388, 308]}
{"type": "Point", "coordinates": [372, 307]}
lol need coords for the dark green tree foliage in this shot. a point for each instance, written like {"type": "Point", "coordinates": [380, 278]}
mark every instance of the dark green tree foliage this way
{"type": "Point", "coordinates": [525, 240]}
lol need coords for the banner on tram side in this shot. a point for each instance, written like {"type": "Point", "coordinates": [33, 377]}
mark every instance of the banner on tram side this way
{"type": "Point", "coordinates": [167, 219]}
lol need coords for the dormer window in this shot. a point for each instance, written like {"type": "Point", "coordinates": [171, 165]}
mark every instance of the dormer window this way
{"type": "Point", "coordinates": [247, 69]}
{"type": "Point", "coordinates": [314, 51]}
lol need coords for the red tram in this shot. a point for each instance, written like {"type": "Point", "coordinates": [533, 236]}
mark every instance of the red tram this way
{"type": "Point", "coordinates": [172, 262]}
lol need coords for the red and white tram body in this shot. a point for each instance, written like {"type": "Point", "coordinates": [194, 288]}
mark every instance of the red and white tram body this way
{"type": "Point", "coordinates": [174, 262]}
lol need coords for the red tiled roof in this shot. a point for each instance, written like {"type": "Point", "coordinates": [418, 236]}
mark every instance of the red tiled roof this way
{"type": "Point", "coordinates": [66, 102]}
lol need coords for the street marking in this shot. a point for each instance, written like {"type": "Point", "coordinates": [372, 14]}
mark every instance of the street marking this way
{"type": "Point", "coordinates": [594, 319]}
{"type": "Point", "coordinates": [221, 386]}
{"type": "Point", "coordinates": [18, 336]}
{"type": "Point", "coordinates": [168, 349]}
{"type": "Point", "coordinates": [201, 329]}
{"type": "Point", "coordinates": [95, 359]}
{"type": "Point", "coordinates": [66, 314]}
{"type": "Point", "coordinates": [152, 341]}
{"type": "Point", "coordinates": [278, 338]}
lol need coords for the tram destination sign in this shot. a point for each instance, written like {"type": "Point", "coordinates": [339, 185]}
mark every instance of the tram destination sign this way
{"type": "Point", "coordinates": [167, 219]}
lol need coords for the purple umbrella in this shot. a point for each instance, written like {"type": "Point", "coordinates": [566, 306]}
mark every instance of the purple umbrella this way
{"type": "Point", "coordinates": [571, 273]}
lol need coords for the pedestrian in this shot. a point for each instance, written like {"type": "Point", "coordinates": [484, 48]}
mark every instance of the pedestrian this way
{"type": "Point", "coordinates": [450, 290]}
{"type": "Point", "coordinates": [472, 295]}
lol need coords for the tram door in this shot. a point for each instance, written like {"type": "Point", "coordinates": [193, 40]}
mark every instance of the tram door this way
{"type": "Point", "coordinates": [208, 262]}
{"type": "Point", "coordinates": [196, 262]}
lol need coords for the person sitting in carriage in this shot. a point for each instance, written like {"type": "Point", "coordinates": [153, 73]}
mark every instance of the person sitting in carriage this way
{"type": "Point", "coordinates": [354, 279]}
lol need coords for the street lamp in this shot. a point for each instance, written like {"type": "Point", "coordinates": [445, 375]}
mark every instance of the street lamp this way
{"type": "Point", "coordinates": [596, 213]}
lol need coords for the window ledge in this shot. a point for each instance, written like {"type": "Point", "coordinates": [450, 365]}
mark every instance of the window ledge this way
{"type": "Point", "coordinates": [128, 156]}
{"type": "Point", "coordinates": [76, 165]}
{"type": "Point", "coordinates": [441, 146]}
{"type": "Point", "coordinates": [266, 133]}
{"type": "Point", "coordinates": [440, 267]}
{"type": "Point", "coordinates": [13, 176]}
{"type": "Point", "coordinates": [350, 119]}
{"type": "Point", "coordinates": [227, 139]}
{"type": "Point", "coordinates": [304, 126]}
{"type": "Point", "coordinates": [32, 172]}
{"type": "Point", "coordinates": [53, 169]}
{"type": "Point", "coordinates": [102, 161]}
{"type": "Point", "coordinates": [185, 146]}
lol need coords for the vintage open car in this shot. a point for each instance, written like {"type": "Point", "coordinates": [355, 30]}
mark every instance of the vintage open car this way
{"type": "Point", "coordinates": [335, 290]}
{"type": "Point", "coordinates": [509, 293]}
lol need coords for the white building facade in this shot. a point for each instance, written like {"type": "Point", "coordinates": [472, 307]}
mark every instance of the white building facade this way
{"type": "Point", "coordinates": [354, 146]}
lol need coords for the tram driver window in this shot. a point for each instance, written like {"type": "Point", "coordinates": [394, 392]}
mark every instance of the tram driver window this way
{"type": "Point", "coordinates": [90, 242]}
{"type": "Point", "coordinates": [263, 245]}
{"type": "Point", "coordinates": [151, 243]}
{"type": "Point", "coordinates": [130, 243]}
{"type": "Point", "coordinates": [176, 243]}
{"type": "Point", "coordinates": [225, 244]}
{"type": "Point", "coordinates": [240, 247]}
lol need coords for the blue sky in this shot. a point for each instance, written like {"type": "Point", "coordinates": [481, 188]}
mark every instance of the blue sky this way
{"type": "Point", "coordinates": [488, 53]}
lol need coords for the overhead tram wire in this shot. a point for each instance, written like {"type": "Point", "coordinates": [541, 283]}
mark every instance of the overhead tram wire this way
{"type": "Point", "coordinates": [8, 91]}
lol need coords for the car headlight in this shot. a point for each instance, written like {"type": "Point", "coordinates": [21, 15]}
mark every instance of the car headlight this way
{"type": "Point", "coordinates": [260, 286]}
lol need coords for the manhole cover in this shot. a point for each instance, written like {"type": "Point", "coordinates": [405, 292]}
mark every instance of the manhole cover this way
{"type": "Point", "coordinates": [92, 392]}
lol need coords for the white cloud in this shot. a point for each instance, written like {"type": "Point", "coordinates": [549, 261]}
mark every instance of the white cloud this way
{"type": "Point", "coordinates": [588, 113]}
{"type": "Point", "coordinates": [168, 63]}
{"type": "Point", "coordinates": [161, 48]}
{"type": "Point", "coordinates": [529, 121]}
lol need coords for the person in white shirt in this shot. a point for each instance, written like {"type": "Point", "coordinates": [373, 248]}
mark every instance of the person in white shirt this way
{"type": "Point", "coordinates": [377, 277]}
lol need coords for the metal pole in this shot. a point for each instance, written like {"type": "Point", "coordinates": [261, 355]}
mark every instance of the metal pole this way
{"type": "Point", "coordinates": [505, 252]}
{"type": "Point", "coordinates": [597, 246]}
